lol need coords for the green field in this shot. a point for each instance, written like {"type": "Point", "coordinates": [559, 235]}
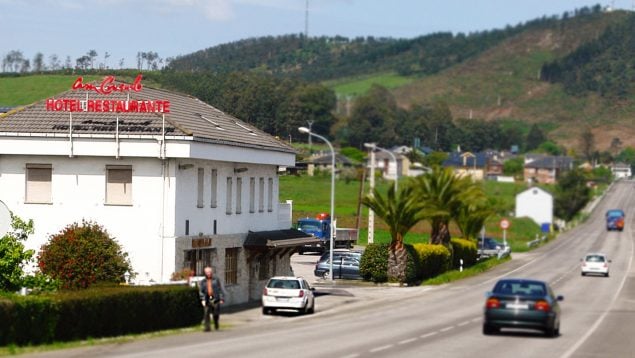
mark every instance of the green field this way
{"type": "Point", "coordinates": [24, 90]}
{"type": "Point", "coordinates": [360, 85]}
{"type": "Point", "coordinates": [311, 195]}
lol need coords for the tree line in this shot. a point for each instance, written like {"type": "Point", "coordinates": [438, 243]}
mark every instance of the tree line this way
{"type": "Point", "coordinates": [322, 58]}
{"type": "Point", "coordinates": [604, 66]}
{"type": "Point", "coordinates": [16, 62]}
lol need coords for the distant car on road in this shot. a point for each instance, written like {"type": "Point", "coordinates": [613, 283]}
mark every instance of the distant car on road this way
{"type": "Point", "coordinates": [522, 303]}
{"type": "Point", "coordinates": [615, 220]}
{"type": "Point", "coordinates": [345, 264]}
{"type": "Point", "coordinates": [595, 263]}
{"type": "Point", "coordinates": [487, 247]}
{"type": "Point", "coordinates": [286, 292]}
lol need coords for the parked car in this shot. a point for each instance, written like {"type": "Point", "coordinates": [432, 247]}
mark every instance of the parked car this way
{"type": "Point", "coordinates": [345, 264]}
{"type": "Point", "coordinates": [522, 303]}
{"type": "Point", "coordinates": [488, 246]}
{"type": "Point", "coordinates": [595, 263]}
{"type": "Point", "coordinates": [285, 292]}
{"type": "Point", "coordinates": [615, 220]}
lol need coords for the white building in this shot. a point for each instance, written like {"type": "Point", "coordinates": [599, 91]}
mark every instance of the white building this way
{"type": "Point", "coordinates": [537, 204]}
{"type": "Point", "coordinates": [177, 182]}
{"type": "Point", "coordinates": [621, 170]}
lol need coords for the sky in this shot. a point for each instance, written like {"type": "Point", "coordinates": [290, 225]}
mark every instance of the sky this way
{"type": "Point", "coordinates": [122, 28]}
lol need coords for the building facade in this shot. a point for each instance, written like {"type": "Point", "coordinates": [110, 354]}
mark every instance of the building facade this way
{"type": "Point", "coordinates": [180, 185]}
{"type": "Point", "coordinates": [536, 204]}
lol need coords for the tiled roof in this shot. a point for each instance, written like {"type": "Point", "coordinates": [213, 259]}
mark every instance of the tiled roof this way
{"type": "Point", "coordinates": [457, 160]}
{"type": "Point", "coordinates": [551, 162]}
{"type": "Point", "coordinates": [188, 117]}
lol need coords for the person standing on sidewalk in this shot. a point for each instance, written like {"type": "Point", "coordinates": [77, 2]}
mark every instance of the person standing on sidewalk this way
{"type": "Point", "coordinates": [212, 294]}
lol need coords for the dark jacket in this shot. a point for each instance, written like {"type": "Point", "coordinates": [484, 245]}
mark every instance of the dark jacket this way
{"type": "Point", "coordinates": [217, 286]}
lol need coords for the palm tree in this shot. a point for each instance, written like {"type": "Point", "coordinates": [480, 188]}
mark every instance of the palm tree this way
{"type": "Point", "coordinates": [400, 211]}
{"type": "Point", "coordinates": [472, 216]}
{"type": "Point", "coordinates": [444, 194]}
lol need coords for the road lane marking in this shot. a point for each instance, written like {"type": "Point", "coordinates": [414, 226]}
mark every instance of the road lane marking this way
{"type": "Point", "coordinates": [428, 335]}
{"type": "Point", "coordinates": [476, 319]}
{"type": "Point", "coordinates": [597, 323]}
{"type": "Point", "coordinates": [406, 341]}
{"type": "Point", "coordinates": [382, 348]}
{"type": "Point", "coordinates": [354, 355]}
{"type": "Point", "coordinates": [446, 329]}
{"type": "Point", "coordinates": [463, 323]}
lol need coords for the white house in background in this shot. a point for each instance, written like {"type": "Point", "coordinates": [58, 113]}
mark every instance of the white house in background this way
{"type": "Point", "coordinates": [621, 170]}
{"type": "Point", "coordinates": [177, 182]}
{"type": "Point", "coordinates": [536, 204]}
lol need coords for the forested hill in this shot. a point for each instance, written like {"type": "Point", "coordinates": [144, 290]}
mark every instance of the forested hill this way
{"type": "Point", "coordinates": [323, 58]}
{"type": "Point", "coordinates": [605, 66]}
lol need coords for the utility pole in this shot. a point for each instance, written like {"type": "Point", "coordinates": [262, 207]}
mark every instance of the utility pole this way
{"type": "Point", "coordinates": [306, 21]}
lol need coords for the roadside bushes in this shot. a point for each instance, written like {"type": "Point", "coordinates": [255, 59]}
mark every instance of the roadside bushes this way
{"type": "Point", "coordinates": [463, 249]}
{"type": "Point", "coordinates": [81, 255]}
{"type": "Point", "coordinates": [374, 263]}
{"type": "Point", "coordinates": [97, 312]}
{"type": "Point", "coordinates": [433, 259]}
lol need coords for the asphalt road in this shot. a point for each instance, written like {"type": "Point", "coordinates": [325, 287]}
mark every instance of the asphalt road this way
{"type": "Point", "coordinates": [445, 321]}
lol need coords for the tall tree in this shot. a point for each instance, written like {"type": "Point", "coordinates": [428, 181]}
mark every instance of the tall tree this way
{"type": "Point", "coordinates": [443, 193]}
{"type": "Point", "coordinates": [373, 118]}
{"type": "Point", "coordinates": [54, 62]}
{"type": "Point", "coordinates": [38, 62]}
{"type": "Point", "coordinates": [400, 211]}
{"type": "Point", "coordinates": [92, 55]}
{"type": "Point", "coordinates": [587, 144]}
{"type": "Point", "coordinates": [535, 137]}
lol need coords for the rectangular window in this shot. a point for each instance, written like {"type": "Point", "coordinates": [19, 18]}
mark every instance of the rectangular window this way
{"type": "Point", "coordinates": [201, 182]}
{"type": "Point", "coordinates": [231, 265]}
{"type": "Point", "coordinates": [252, 195]}
{"type": "Point", "coordinates": [214, 188]}
{"type": "Point", "coordinates": [228, 205]}
{"type": "Point", "coordinates": [270, 198]}
{"type": "Point", "coordinates": [197, 260]}
{"type": "Point", "coordinates": [38, 183]}
{"type": "Point", "coordinates": [239, 195]}
{"type": "Point", "coordinates": [119, 185]}
{"type": "Point", "coordinates": [261, 195]}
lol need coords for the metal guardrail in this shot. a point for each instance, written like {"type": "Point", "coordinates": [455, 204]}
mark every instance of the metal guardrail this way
{"type": "Point", "coordinates": [537, 241]}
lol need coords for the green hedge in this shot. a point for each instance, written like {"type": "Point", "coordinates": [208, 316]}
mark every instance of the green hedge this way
{"type": "Point", "coordinates": [96, 312]}
{"type": "Point", "coordinates": [463, 249]}
{"type": "Point", "coordinates": [374, 263]}
{"type": "Point", "coordinates": [433, 259]}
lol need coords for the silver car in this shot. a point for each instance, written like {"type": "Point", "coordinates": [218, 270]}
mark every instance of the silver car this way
{"type": "Point", "coordinates": [595, 263]}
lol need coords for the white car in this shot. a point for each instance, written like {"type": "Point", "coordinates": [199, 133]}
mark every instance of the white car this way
{"type": "Point", "coordinates": [286, 292]}
{"type": "Point", "coordinates": [595, 263]}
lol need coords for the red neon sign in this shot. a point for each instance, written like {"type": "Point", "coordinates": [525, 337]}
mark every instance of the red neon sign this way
{"type": "Point", "coordinates": [107, 86]}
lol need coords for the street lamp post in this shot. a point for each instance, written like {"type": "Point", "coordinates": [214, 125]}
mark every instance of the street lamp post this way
{"type": "Point", "coordinates": [306, 130]}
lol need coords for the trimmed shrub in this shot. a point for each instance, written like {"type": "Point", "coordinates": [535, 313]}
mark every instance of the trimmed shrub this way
{"type": "Point", "coordinates": [374, 263]}
{"type": "Point", "coordinates": [433, 259]}
{"type": "Point", "coordinates": [463, 249]}
{"type": "Point", "coordinates": [97, 312]}
{"type": "Point", "coordinates": [79, 256]}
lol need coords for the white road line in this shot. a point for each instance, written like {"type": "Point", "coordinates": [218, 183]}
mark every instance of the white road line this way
{"type": "Point", "coordinates": [382, 348]}
{"type": "Point", "coordinates": [476, 319]}
{"type": "Point", "coordinates": [597, 323]}
{"type": "Point", "coordinates": [463, 323]}
{"type": "Point", "coordinates": [446, 329]}
{"type": "Point", "coordinates": [428, 335]}
{"type": "Point", "coordinates": [406, 341]}
{"type": "Point", "coordinates": [354, 355]}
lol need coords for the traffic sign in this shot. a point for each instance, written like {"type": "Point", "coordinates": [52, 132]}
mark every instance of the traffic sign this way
{"type": "Point", "coordinates": [504, 224]}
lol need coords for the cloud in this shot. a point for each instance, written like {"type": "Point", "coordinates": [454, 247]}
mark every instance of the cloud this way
{"type": "Point", "coordinates": [215, 10]}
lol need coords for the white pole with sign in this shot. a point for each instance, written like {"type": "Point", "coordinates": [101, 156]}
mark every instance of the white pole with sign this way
{"type": "Point", "coordinates": [504, 224]}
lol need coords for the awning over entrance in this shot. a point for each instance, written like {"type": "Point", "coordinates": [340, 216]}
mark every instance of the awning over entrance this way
{"type": "Point", "coordinates": [278, 239]}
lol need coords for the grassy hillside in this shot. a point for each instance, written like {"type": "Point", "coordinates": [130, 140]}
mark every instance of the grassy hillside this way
{"type": "Point", "coordinates": [504, 82]}
{"type": "Point", "coordinates": [19, 91]}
